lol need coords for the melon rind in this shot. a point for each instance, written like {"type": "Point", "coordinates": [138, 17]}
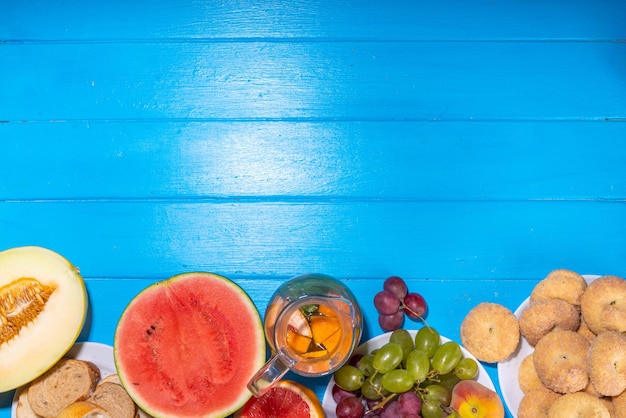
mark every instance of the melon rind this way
{"type": "Point", "coordinates": [44, 341]}
{"type": "Point", "coordinates": [228, 310]}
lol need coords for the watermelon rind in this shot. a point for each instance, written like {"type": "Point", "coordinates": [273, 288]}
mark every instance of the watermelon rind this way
{"type": "Point", "coordinates": [210, 326]}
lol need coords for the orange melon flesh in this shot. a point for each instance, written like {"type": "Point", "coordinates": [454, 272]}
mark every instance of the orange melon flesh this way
{"type": "Point", "coordinates": [187, 347]}
{"type": "Point", "coordinates": [43, 304]}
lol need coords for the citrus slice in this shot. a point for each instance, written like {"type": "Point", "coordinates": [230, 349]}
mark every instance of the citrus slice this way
{"type": "Point", "coordinates": [332, 341]}
{"type": "Point", "coordinates": [286, 399]}
{"type": "Point", "coordinates": [299, 323]}
{"type": "Point", "coordinates": [326, 311]}
{"type": "Point", "coordinates": [323, 327]}
{"type": "Point", "coordinates": [315, 354]}
{"type": "Point", "coordinates": [299, 343]}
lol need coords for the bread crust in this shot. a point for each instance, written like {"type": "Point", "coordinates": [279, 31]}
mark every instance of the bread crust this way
{"type": "Point", "coordinates": [23, 408]}
{"type": "Point", "coordinates": [66, 382]}
{"type": "Point", "coordinates": [113, 398]}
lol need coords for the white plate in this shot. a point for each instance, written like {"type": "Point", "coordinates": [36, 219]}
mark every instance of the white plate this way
{"type": "Point", "coordinates": [329, 404]}
{"type": "Point", "coordinates": [508, 370]}
{"type": "Point", "coordinates": [99, 354]}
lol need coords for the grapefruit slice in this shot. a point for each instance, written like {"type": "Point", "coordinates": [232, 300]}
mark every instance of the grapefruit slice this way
{"type": "Point", "coordinates": [286, 399]}
{"type": "Point", "coordinates": [187, 347]}
{"type": "Point", "coordinates": [298, 323]}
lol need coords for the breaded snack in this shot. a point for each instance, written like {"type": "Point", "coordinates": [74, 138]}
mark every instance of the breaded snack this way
{"type": "Point", "coordinates": [604, 304]}
{"type": "Point", "coordinates": [562, 284]}
{"type": "Point", "coordinates": [560, 359]}
{"type": "Point", "coordinates": [527, 376]}
{"type": "Point", "coordinates": [490, 332]}
{"type": "Point", "coordinates": [619, 402]}
{"type": "Point", "coordinates": [537, 403]}
{"type": "Point", "coordinates": [590, 389]}
{"type": "Point", "coordinates": [584, 330]}
{"type": "Point", "coordinates": [545, 315]}
{"type": "Point", "coordinates": [607, 363]}
{"type": "Point", "coordinates": [608, 402]}
{"type": "Point", "coordinates": [579, 404]}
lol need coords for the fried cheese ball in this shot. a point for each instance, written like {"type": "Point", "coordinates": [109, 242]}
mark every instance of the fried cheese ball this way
{"type": "Point", "coordinates": [584, 330]}
{"type": "Point", "coordinates": [545, 315]}
{"type": "Point", "coordinates": [590, 389]}
{"type": "Point", "coordinates": [536, 403]}
{"type": "Point", "coordinates": [608, 403]}
{"type": "Point", "coordinates": [619, 403]}
{"type": "Point", "coordinates": [604, 304]}
{"type": "Point", "coordinates": [560, 359]}
{"type": "Point", "coordinates": [607, 363]}
{"type": "Point", "coordinates": [490, 332]}
{"type": "Point", "coordinates": [579, 404]}
{"type": "Point", "coordinates": [527, 375]}
{"type": "Point", "coordinates": [562, 284]}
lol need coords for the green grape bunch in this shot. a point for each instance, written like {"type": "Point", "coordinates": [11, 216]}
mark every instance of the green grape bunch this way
{"type": "Point", "coordinates": [406, 377]}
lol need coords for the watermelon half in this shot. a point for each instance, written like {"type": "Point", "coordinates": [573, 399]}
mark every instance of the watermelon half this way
{"type": "Point", "coordinates": [187, 346]}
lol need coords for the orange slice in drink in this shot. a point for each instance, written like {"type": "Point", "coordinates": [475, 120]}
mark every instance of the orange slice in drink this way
{"type": "Point", "coordinates": [298, 343]}
{"type": "Point", "coordinates": [323, 327]}
{"type": "Point", "coordinates": [326, 311]}
{"type": "Point", "coordinates": [315, 354]}
{"type": "Point", "coordinates": [333, 341]}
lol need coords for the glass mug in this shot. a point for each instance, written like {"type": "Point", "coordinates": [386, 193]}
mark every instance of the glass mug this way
{"type": "Point", "coordinates": [312, 324]}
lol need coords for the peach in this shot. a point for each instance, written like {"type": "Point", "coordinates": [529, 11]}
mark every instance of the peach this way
{"type": "Point", "coordinates": [473, 400]}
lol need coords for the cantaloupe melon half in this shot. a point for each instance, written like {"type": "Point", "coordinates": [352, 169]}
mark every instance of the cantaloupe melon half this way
{"type": "Point", "coordinates": [187, 347]}
{"type": "Point", "coordinates": [43, 303]}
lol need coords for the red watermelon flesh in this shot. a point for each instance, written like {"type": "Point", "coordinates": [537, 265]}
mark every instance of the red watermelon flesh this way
{"type": "Point", "coordinates": [186, 347]}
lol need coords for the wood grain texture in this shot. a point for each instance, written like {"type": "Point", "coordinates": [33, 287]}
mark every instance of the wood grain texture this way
{"type": "Point", "coordinates": [444, 240]}
{"type": "Point", "coordinates": [57, 20]}
{"type": "Point", "coordinates": [311, 161]}
{"type": "Point", "coordinates": [314, 80]}
{"type": "Point", "coordinates": [470, 147]}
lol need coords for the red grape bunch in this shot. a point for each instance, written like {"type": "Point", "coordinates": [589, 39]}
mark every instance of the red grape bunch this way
{"type": "Point", "coordinates": [394, 301]}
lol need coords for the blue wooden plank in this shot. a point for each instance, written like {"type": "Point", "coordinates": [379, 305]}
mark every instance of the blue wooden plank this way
{"type": "Point", "coordinates": [439, 240]}
{"type": "Point", "coordinates": [305, 80]}
{"type": "Point", "coordinates": [314, 161]}
{"type": "Point", "coordinates": [329, 20]}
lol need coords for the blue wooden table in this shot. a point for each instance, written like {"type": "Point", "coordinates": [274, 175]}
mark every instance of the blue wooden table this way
{"type": "Point", "coordinates": [468, 146]}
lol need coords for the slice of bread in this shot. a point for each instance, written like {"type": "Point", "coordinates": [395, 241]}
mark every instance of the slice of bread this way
{"type": "Point", "coordinates": [84, 409]}
{"type": "Point", "coordinates": [66, 382]}
{"type": "Point", "coordinates": [114, 378]}
{"type": "Point", "coordinates": [23, 409]}
{"type": "Point", "coordinates": [113, 398]}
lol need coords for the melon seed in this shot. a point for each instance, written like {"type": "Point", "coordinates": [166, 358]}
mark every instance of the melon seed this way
{"type": "Point", "coordinates": [21, 301]}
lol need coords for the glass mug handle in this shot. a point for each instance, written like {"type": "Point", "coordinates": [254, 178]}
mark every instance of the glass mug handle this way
{"type": "Point", "coordinates": [269, 374]}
